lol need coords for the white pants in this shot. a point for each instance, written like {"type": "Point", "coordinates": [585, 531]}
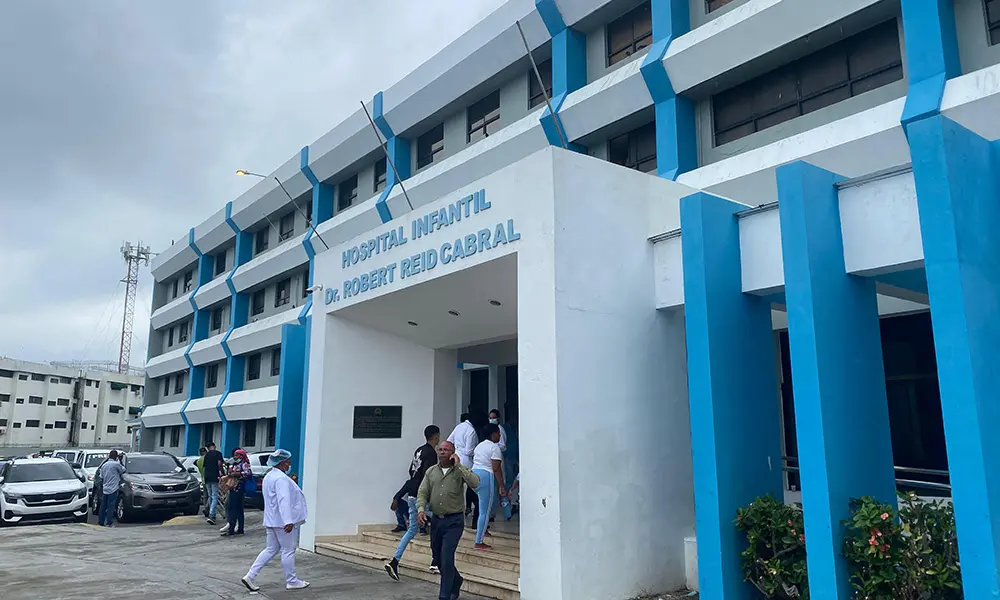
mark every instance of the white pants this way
{"type": "Point", "coordinates": [278, 541]}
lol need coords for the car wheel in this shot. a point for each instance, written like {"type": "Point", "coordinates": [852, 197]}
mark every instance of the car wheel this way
{"type": "Point", "coordinates": [121, 514]}
{"type": "Point", "coordinates": [95, 504]}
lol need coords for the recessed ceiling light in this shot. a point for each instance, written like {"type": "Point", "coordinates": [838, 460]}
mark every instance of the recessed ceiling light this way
{"type": "Point", "coordinates": [411, 323]}
{"type": "Point", "coordinates": [454, 313]}
{"type": "Point", "coordinates": [495, 302]}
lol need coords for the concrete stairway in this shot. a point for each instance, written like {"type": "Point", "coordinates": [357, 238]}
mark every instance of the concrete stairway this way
{"type": "Point", "coordinates": [491, 574]}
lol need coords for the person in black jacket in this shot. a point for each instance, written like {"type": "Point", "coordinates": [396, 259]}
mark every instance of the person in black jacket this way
{"type": "Point", "coordinates": [424, 458]}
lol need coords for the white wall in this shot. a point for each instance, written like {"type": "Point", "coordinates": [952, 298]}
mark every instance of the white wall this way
{"type": "Point", "coordinates": [605, 443]}
{"type": "Point", "coordinates": [350, 482]}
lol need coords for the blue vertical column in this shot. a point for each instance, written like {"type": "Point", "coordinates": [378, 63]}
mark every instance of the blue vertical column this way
{"type": "Point", "coordinates": [398, 150]}
{"type": "Point", "coordinates": [931, 55]}
{"type": "Point", "coordinates": [291, 397]}
{"type": "Point", "coordinates": [199, 332]}
{"type": "Point", "coordinates": [733, 391]}
{"type": "Point", "coordinates": [239, 308]}
{"type": "Point", "coordinates": [676, 136]}
{"type": "Point", "coordinates": [569, 69]}
{"type": "Point", "coordinates": [838, 380]}
{"type": "Point", "coordinates": [958, 200]}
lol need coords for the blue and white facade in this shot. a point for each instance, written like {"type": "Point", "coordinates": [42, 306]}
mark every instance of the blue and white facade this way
{"type": "Point", "coordinates": [757, 200]}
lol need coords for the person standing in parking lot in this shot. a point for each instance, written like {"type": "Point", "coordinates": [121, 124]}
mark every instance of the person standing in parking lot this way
{"type": "Point", "coordinates": [213, 469]}
{"type": "Point", "coordinates": [240, 472]}
{"type": "Point", "coordinates": [111, 480]}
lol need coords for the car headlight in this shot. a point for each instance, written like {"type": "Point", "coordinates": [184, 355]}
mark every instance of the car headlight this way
{"type": "Point", "coordinates": [193, 485]}
{"type": "Point", "coordinates": [82, 492]}
{"type": "Point", "coordinates": [141, 487]}
{"type": "Point", "coordinates": [12, 496]}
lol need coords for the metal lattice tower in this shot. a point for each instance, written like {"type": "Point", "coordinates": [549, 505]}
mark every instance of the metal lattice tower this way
{"type": "Point", "coordinates": [133, 255]}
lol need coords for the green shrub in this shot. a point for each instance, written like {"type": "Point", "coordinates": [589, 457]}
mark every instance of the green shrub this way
{"type": "Point", "coordinates": [774, 560]}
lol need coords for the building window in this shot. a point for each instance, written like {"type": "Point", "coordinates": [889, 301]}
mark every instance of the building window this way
{"type": "Point", "coordinates": [272, 431]}
{"type": "Point", "coordinates": [32, 423]}
{"type": "Point", "coordinates": [217, 319]}
{"type": "Point", "coordinates": [48, 426]}
{"type": "Point", "coordinates": [53, 380]}
{"type": "Point", "coordinates": [182, 333]}
{"type": "Point", "coordinates": [37, 377]}
{"type": "Point", "coordinates": [22, 377]}
{"type": "Point", "coordinates": [347, 192]}
{"type": "Point", "coordinates": [309, 213]}
{"type": "Point", "coordinates": [163, 436]}
{"type": "Point", "coordinates": [175, 436]}
{"type": "Point", "coordinates": [851, 67]}
{"type": "Point", "coordinates": [83, 426]}
{"type": "Point", "coordinates": [65, 380]}
{"type": "Point", "coordinates": [51, 403]}
{"type": "Point", "coordinates": [86, 403]}
{"type": "Point", "coordinates": [63, 401]}
{"type": "Point", "coordinates": [170, 342]}
{"type": "Point", "coordinates": [257, 303]}
{"type": "Point", "coordinates": [166, 385]}
{"type": "Point", "coordinates": [17, 425]}
{"type": "Point", "coordinates": [6, 374]}
{"type": "Point", "coordinates": [536, 93]}
{"type": "Point", "coordinates": [282, 292]}
{"type": "Point", "coordinates": [220, 263]}
{"type": "Point", "coordinates": [97, 384]}
{"type": "Point", "coordinates": [430, 146]}
{"type": "Point", "coordinates": [286, 227]}
{"type": "Point", "coordinates": [112, 429]}
{"type": "Point", "coordinates": [136, 389]}
{"type": "Point", "coordinates": [60, 424]}
{"type": "Point", "coordinates": [380, 170]}
{"type": "Point", "coordinates": [275, 362]}
{"type": "Point", "coordinates": [305, 283]}
{"type": "Point", "coordinates": [993, 20]}
{"type": "Point", "coordinates": [3, 422]}
{"type": "Point", "coordinates": [260, 240]}
{"type": "Point", "coordinates": [4, 397]}
{"type": "Point", "coordinates": [19, 401]}
{"type": "Point", "coordinates": [711, 5]}
{"type": "Point", "coordinates": [250, 433]}
{"type": "Point", "coordinates": [114, 409]}
{"type": "Point", "coordinates": [253, 367]}
{"type": "Point", "coordinates": [212, 376]}
{"type": "Point", "coordinates": [484, 118]}
{"type": "Point", "coordinates": [636, 149]}
{"type": "Point", "coordinates": [34, 399]}
{"type": "Point", "coordinates": [187, 281]}
{"type": "Point", "coordinates": [630, 34]}
{"type": "Point", "coordinates": [173, 289]}
{"type": "Point", "coordinates": [179, 383]}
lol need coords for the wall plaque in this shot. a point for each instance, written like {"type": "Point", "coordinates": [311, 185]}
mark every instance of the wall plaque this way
{"type": "Point", "coordinates": [378, 422]}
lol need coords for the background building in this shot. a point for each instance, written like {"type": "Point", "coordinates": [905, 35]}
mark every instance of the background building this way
{"type": "Point", "coordinates": [827, 169]}
{"type": "Point", "coordinates": [47, 406]}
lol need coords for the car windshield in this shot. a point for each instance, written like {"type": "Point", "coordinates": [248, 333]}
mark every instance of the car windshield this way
{"type": "Point", "coordinates": [66, 456]}
{"type": "Point", "coordinates": [94, 460]}
{"type": "Point", "coordinates": [142, 465]}
{"type": "Point", "coordinates": [262, 459]}
{"type": "Point", "coordinates": [54, 471]}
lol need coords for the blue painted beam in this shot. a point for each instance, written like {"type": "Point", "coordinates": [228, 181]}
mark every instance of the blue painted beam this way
{"type": "Point", "coordinates": [932, 56]}
{"type": "Point", "coordinates": [838, 380]}
{"type": "Point", "coordinates": [199, 332]}
{"type": "Point", "coordinates": [958, 200]}
{"type": "Point", "coordinates": [569, 69]}
{"type": "Point", "coordinates": [676, 136]}
{"type": "Point", "coordinates": [291, 382]}
{"type": "Point", "coordinates": [398, 150]}
{"type": "Point", "coordinates": [733, 391]}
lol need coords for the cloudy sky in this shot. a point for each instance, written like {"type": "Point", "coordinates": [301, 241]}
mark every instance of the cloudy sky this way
{"type": "Point", "coordinates": [126, 120]}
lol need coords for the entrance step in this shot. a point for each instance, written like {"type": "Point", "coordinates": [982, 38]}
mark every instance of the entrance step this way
{"type": "Point", "coordinates": [488, 573]}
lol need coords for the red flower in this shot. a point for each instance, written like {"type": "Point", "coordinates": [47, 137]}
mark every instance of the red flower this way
{"type": "Point", "coordinates": [885, 516]}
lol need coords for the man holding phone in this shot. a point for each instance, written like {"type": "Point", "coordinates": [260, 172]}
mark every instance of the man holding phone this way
{"type": "Point", "coordinates": [443, 491]}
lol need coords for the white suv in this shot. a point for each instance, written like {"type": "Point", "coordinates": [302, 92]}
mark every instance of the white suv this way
{"type": "Point", "coordinates": [89, 460]}
{"type": "Point", "coordinates": [40, 489]}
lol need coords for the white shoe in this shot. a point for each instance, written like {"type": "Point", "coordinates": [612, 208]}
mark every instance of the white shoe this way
{"type": "Point", "coordinates": [299, 585]}
{"type": "Point", "coordinates": [249, 583]}
{"type": "Point", "coordinates": [434, 570]}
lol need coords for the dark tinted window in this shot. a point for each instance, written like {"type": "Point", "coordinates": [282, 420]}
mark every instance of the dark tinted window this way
{"type": "Point", "coordinates": [347, 192]}
{"type": "Point", "coordinates": [250, 433]}
{"type": "Point", "coordinates": [220, 263]}
{"type": "Point", "coordinates": [260, 240]}
{"type": "Point", "coordinates": [211, 376]}
{"type": "Point", "coordinates": [257, 303]}
{"type": "Point", "coordinates": [993, 20]}
{"type": "Point", "coordinates": [630, 34]}
{"type": "Point", "coordinates": [282, 292]}
{"type": "Point", "coordinates": [535, 95]}
{"type": "Point", "coordinates": [484, 118]}
{"type": "Point", "coordinates": [429, 147]}
{"type": "Point", "coordinates": [380, 171]}
{"type": "Point", "coordinates": [711, 5]}
{"type": "Point", "coordinates": [635, 149]}
{"type": "Point", "coordinates": [253, 367]}
{"type": "Point", "coordinates": [860, 63]}
{"type": "Point", "coordinates": [152, 463]}
{"type": "Point", "coordinates": [286, 227]}
{"type": "Point", "coordinates": [55, 471]}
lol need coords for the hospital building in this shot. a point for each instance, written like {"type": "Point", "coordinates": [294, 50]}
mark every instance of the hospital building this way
{"type": "Point", "coordinates": [714, 249]}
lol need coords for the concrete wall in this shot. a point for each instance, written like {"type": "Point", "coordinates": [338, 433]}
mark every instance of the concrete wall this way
{"type": "Point", "coordinates": [372, 368]}
{"type": "Point", "coordinates": [973, 37]}
{"type": "Point", "coordinates": [266, 363]}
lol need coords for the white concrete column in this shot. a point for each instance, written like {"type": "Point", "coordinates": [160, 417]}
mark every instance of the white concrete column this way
{"type": "Point", "coordinates": [495, 400]}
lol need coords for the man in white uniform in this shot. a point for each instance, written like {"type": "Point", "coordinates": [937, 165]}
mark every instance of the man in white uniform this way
{"type": "Point", "coordinates": [465, 440]}
{"type": "Point", "coordinates": [284, 511]}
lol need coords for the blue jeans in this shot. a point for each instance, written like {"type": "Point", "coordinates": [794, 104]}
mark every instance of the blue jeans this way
{"type": "Point", "coordinates": [401, 513]}
{"type": "Point", "coordinates": [487, 501]}
{"type": "Point", "coordinates": [212, 488]}
{"type": "Point", "coordinates": [234, 509]}
{"type": "Point", "coordinates": [411, 531]}
{"type": "Point", "coordinates": [109, 503]}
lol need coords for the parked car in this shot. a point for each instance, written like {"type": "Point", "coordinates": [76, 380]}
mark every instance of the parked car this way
{"type": "Point", "coordinates": [89, 460]}
{"type": "Point", "coordinates": [153, 482]}
{"type": "Point", "coordinates": [41, 489]}
{"type": "Point", "coordinates": [259, 468]}
{"type": "Point", "coordinates": [188, 462]}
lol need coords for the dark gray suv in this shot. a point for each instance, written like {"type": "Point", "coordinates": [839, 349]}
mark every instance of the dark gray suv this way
{"type": "Point", "coordinates": [153, 482]}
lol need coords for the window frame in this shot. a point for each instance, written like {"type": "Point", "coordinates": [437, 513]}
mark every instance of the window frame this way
{"type": "Point", "coordinates": [170, 341]}
{"type": "Point", "coordinates": [163, 437]}
{"type": "Point", "coordinates": [714, 5]}
{"type": "Point", "coordinates": [220, 263]}
{"type": "Point", "coordinates": [381, 175]}
{"type": "Point", "coordinates": [28, 423]}
{"type": "Point", "coordinates": [35, 400]}
{"type": "Point", "coordinates": [112, 429]}
{"type": "Point", "coordinates": [262, 294]}
{"type": "Point", "coordinates": [633, 160]}
{"type": "Point", "coordinates": [253, 373]}
{"type": "Point", "coordinates": [182, 333]}
{"type": "Point", "coordinates": [276, 362]}
{"type": "Point", "coordinates": [166, 387]}
{"type": "Point", "coordinates": [536, 97]}
{"type": "Point", "coordinates": [430, 146]}
{"type": "Point", "coordinates": [271, 432]}
{"type": "Point", "coordinates": [481, 116]}
{"type": "Point", "coordinates": [637, 44]}
{"type": "Point", "coordinates": [261, 240]}
{"type": "Point", "coordinates": [179, 383]}
{"type": "Point", "coordinates": [286, 227]}
{"type": "Point", "coordinates": [212, 375]}
{"type": "Point", "coordinates": [347, 188]}
{"type": "Point", "coordinates": [216, 324]}
{"type": "Point", "coordinates": [992, 28]}
{"type": "Point", "coordinates": [250, 433]}
{"type": "Point", "coordinates": [283, 292]}
{"type": "Point", "coordinates": [175, 436]}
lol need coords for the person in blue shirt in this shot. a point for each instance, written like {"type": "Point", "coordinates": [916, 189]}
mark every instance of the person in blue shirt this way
{"type": "Point", "coordinates": [111, 481]}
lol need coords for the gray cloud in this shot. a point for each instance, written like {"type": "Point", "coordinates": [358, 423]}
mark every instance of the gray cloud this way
{"type": "Point", "coordinates": [126, 120]}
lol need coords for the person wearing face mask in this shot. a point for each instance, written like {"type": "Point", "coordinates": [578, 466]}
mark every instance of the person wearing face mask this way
{"type": "Point", "coordinates": [495, 420]}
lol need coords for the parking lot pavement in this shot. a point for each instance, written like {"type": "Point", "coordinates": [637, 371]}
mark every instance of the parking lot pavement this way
{"type": "Point", "coordinates": [182, 559]}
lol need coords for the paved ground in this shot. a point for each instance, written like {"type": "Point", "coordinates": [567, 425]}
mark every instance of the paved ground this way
{"type": "Point", "coordinates": [187, 561]}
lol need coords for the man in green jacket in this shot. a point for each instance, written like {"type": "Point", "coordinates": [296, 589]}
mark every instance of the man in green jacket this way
{"type": "Point", "coordinates": [443, 490]}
